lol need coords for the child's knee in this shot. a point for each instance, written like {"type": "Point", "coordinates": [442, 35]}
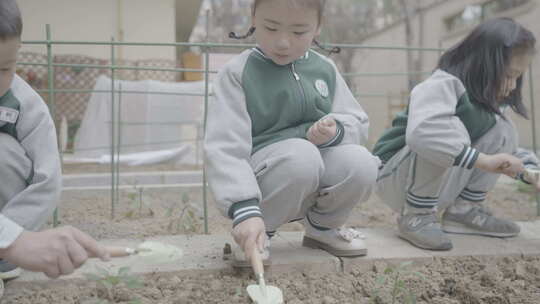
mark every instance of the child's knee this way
{"type": "Point", "coordinates": [363, 167]}
{"type": "Point", "coordinates": [304, 162]}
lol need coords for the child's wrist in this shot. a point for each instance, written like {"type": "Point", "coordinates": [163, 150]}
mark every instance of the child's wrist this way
{"type": "Point", "coordinates": [481, 161]}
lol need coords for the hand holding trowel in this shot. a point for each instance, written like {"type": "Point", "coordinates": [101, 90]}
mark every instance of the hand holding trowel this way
{"type": "Point", "coordinates": [262, 293]}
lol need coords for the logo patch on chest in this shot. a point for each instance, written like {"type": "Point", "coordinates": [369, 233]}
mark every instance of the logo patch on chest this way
{"type": "Point", "coordinates": [322, 87]}
{"type": "Point", "coordinates": [8, 115]}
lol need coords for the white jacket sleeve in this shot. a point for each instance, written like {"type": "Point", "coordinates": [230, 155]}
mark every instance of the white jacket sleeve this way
{"type": "Point", "coordinates": [529, 159]}
{"type": "Point", "coordinates": [434, 132]}
{"type": "Point", "coordinates": [9, 231]}
{"type": "Point", "coordinates": [37, 135]}
{"type": "Point", "coordinates": [228, 146]}
{"type": "Point", "coordinates": [352, 120]}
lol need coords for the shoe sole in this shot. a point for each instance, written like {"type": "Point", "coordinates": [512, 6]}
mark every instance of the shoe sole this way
{"type": "Point", "coordinates": [425, 247]}
{"type": "Point", "coordinates": [458, 228]}
{"type": "Point", "coordinates": [8, 275]}
{"type": "Point", "coordinates": [314, 244]}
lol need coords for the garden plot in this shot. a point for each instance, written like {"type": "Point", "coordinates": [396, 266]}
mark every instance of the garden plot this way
{"type": "Point", "coordinates": [145, 212]}
{"type": "Point", "coordinates": [178, 211]}
{"type": "Point", "coordinates": [512, 280]}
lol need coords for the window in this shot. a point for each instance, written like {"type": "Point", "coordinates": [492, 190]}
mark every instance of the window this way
{"type": "Point", "coordinates": [474, 14]}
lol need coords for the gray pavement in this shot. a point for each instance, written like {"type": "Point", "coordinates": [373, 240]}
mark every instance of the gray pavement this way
{"type": "Point", "coordinates": [204, 253]}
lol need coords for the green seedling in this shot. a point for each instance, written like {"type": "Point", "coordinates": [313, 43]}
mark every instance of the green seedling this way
{"type": "Point", "coordinates": [526, 189]}
{"type": "Point", "coordinates": [394, 280]}
{"type": "Point", "coordinates": [110, 282]}
{"type": "Point", "coordinates": [136, 203]}
{"type": "Point", "coordinates": [187, 221]}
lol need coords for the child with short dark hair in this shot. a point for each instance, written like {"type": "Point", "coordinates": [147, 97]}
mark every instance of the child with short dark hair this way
{"type": "Point", "coordinates": [30, 175]}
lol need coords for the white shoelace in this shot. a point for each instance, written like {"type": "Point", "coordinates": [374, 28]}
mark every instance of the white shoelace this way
{"type": "Point", "coordinates": [349, 234]}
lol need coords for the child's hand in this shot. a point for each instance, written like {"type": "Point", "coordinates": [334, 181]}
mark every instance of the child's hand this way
{"type": "Point", "coordinates": [250, 234]}
{"type": "Point", "coordinates": [322, 131]}
{"type": "Point", "coordinates": [55, 252]}
{"type": "Point", "coordinates": [500, 163]}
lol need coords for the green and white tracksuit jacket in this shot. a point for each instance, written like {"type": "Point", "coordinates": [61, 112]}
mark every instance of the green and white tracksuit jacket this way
{"type": "Point", "coordinates": [441, 130]}
{"type": "Point", "coordinates": [29, 161]}
{"type": "Point", "coordinates": [258, 103]}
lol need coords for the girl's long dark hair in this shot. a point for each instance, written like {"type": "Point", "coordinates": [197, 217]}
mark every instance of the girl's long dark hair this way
{"type": "Point", "coordinates": [481, 61]}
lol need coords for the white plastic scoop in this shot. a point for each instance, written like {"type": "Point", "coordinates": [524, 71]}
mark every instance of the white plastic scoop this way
{"type": "Point", "coordinates": [533, 175]}
{"type": "Point", "coordinates": [154, 252]}
{"type": "Point", "coordinates": [262, 293]}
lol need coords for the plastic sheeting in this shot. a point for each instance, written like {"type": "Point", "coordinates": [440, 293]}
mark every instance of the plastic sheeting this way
{"type": "Point", "coordinates": [143, 121]}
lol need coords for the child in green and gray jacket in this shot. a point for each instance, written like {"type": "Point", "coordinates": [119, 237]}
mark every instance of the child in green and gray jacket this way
{"type": "Point", "coordinates": [447, 150]}
{"type": "Point", "coordinates": [284, 139]}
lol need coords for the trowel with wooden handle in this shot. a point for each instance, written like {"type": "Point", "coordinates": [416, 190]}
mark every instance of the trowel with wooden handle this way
{"type": "Point", "coordinates": [262, 293]}
{"type": "Point", "coordinates": [153, 251]}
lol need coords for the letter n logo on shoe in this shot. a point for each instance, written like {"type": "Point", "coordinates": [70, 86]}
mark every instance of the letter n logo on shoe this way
{"type": "Point", "coordinates": [415, 221]}
{"type": "Point", "coordinates": [479, 220]}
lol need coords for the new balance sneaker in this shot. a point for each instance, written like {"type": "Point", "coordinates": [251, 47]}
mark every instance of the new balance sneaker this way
{"type": "Point", "coordinates": [423, 231]}
{"type": "Point", "coordinates": [8, 271]}
{"type": "Point", "coordinates": [341, 242]}
{"type": "Point", "coordinates": [479, 221]}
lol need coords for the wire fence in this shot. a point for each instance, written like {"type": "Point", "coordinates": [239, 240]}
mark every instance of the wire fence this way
{"type": "Point", "coordinates": [67, 82]}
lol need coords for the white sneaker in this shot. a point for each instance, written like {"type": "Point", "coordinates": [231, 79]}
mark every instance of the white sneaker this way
{"type": "Point", "coordinates": [341, 242]}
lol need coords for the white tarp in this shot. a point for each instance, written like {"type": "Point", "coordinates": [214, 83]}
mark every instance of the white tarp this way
{"type": "Point", "coordinates": [135, 159]}
{"type": "Point", "coordinates": [148, 122]}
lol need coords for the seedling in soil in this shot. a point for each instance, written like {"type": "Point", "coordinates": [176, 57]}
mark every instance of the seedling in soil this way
{"type": "Point", "coordinates": [393, 279]}
{"type": "Point", "coordinates": [526, 189]}
{"type": "Point", "coordinates": [110, 282]}
{"type": "Point", "coordinates": [187, 221]}
{"type": "Point", "coordinates": [136, 203]}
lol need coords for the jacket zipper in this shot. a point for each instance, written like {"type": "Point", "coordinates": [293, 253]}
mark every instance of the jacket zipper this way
{"type": "Point", "coordinates": [301, 88]}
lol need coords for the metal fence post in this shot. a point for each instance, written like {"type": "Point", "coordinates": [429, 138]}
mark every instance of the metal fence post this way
{"type": "Point", "coordinates": [533, 126]}
{"type": "Point", "coordinates": [206, 91]}
{"type": "Point", "coordinates": [50, 79]}
{"type": "Point", "coordinates": [118, 142]}
{"type": "Point", "coordinates": [113, 141]}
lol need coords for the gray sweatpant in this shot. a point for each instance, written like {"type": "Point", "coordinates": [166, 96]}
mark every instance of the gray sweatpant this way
{"type": "Point", "coordinates": [408, 180]}
{"type": "Point", "coordinates": [297, 180]}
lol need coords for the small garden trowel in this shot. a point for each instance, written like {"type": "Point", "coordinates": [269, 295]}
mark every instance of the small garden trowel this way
{"type": "Point", "coordinates": [153, 251]}
{"type": "Point", "coordinates": [262, 293]}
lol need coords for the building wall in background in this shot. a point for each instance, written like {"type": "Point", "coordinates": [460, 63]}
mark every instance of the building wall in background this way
{"type": "Point", "coordinates": [435, 33]}
{"type": "Point", "coordinates": [99, 20]}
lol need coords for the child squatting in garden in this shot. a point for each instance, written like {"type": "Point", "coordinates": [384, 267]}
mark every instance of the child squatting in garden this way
{"type": "Point", "coordinates": [285, 136]}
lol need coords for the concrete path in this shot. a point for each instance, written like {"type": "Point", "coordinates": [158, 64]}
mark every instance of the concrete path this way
{"type": "Point", "coordinates": [204, 253]}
